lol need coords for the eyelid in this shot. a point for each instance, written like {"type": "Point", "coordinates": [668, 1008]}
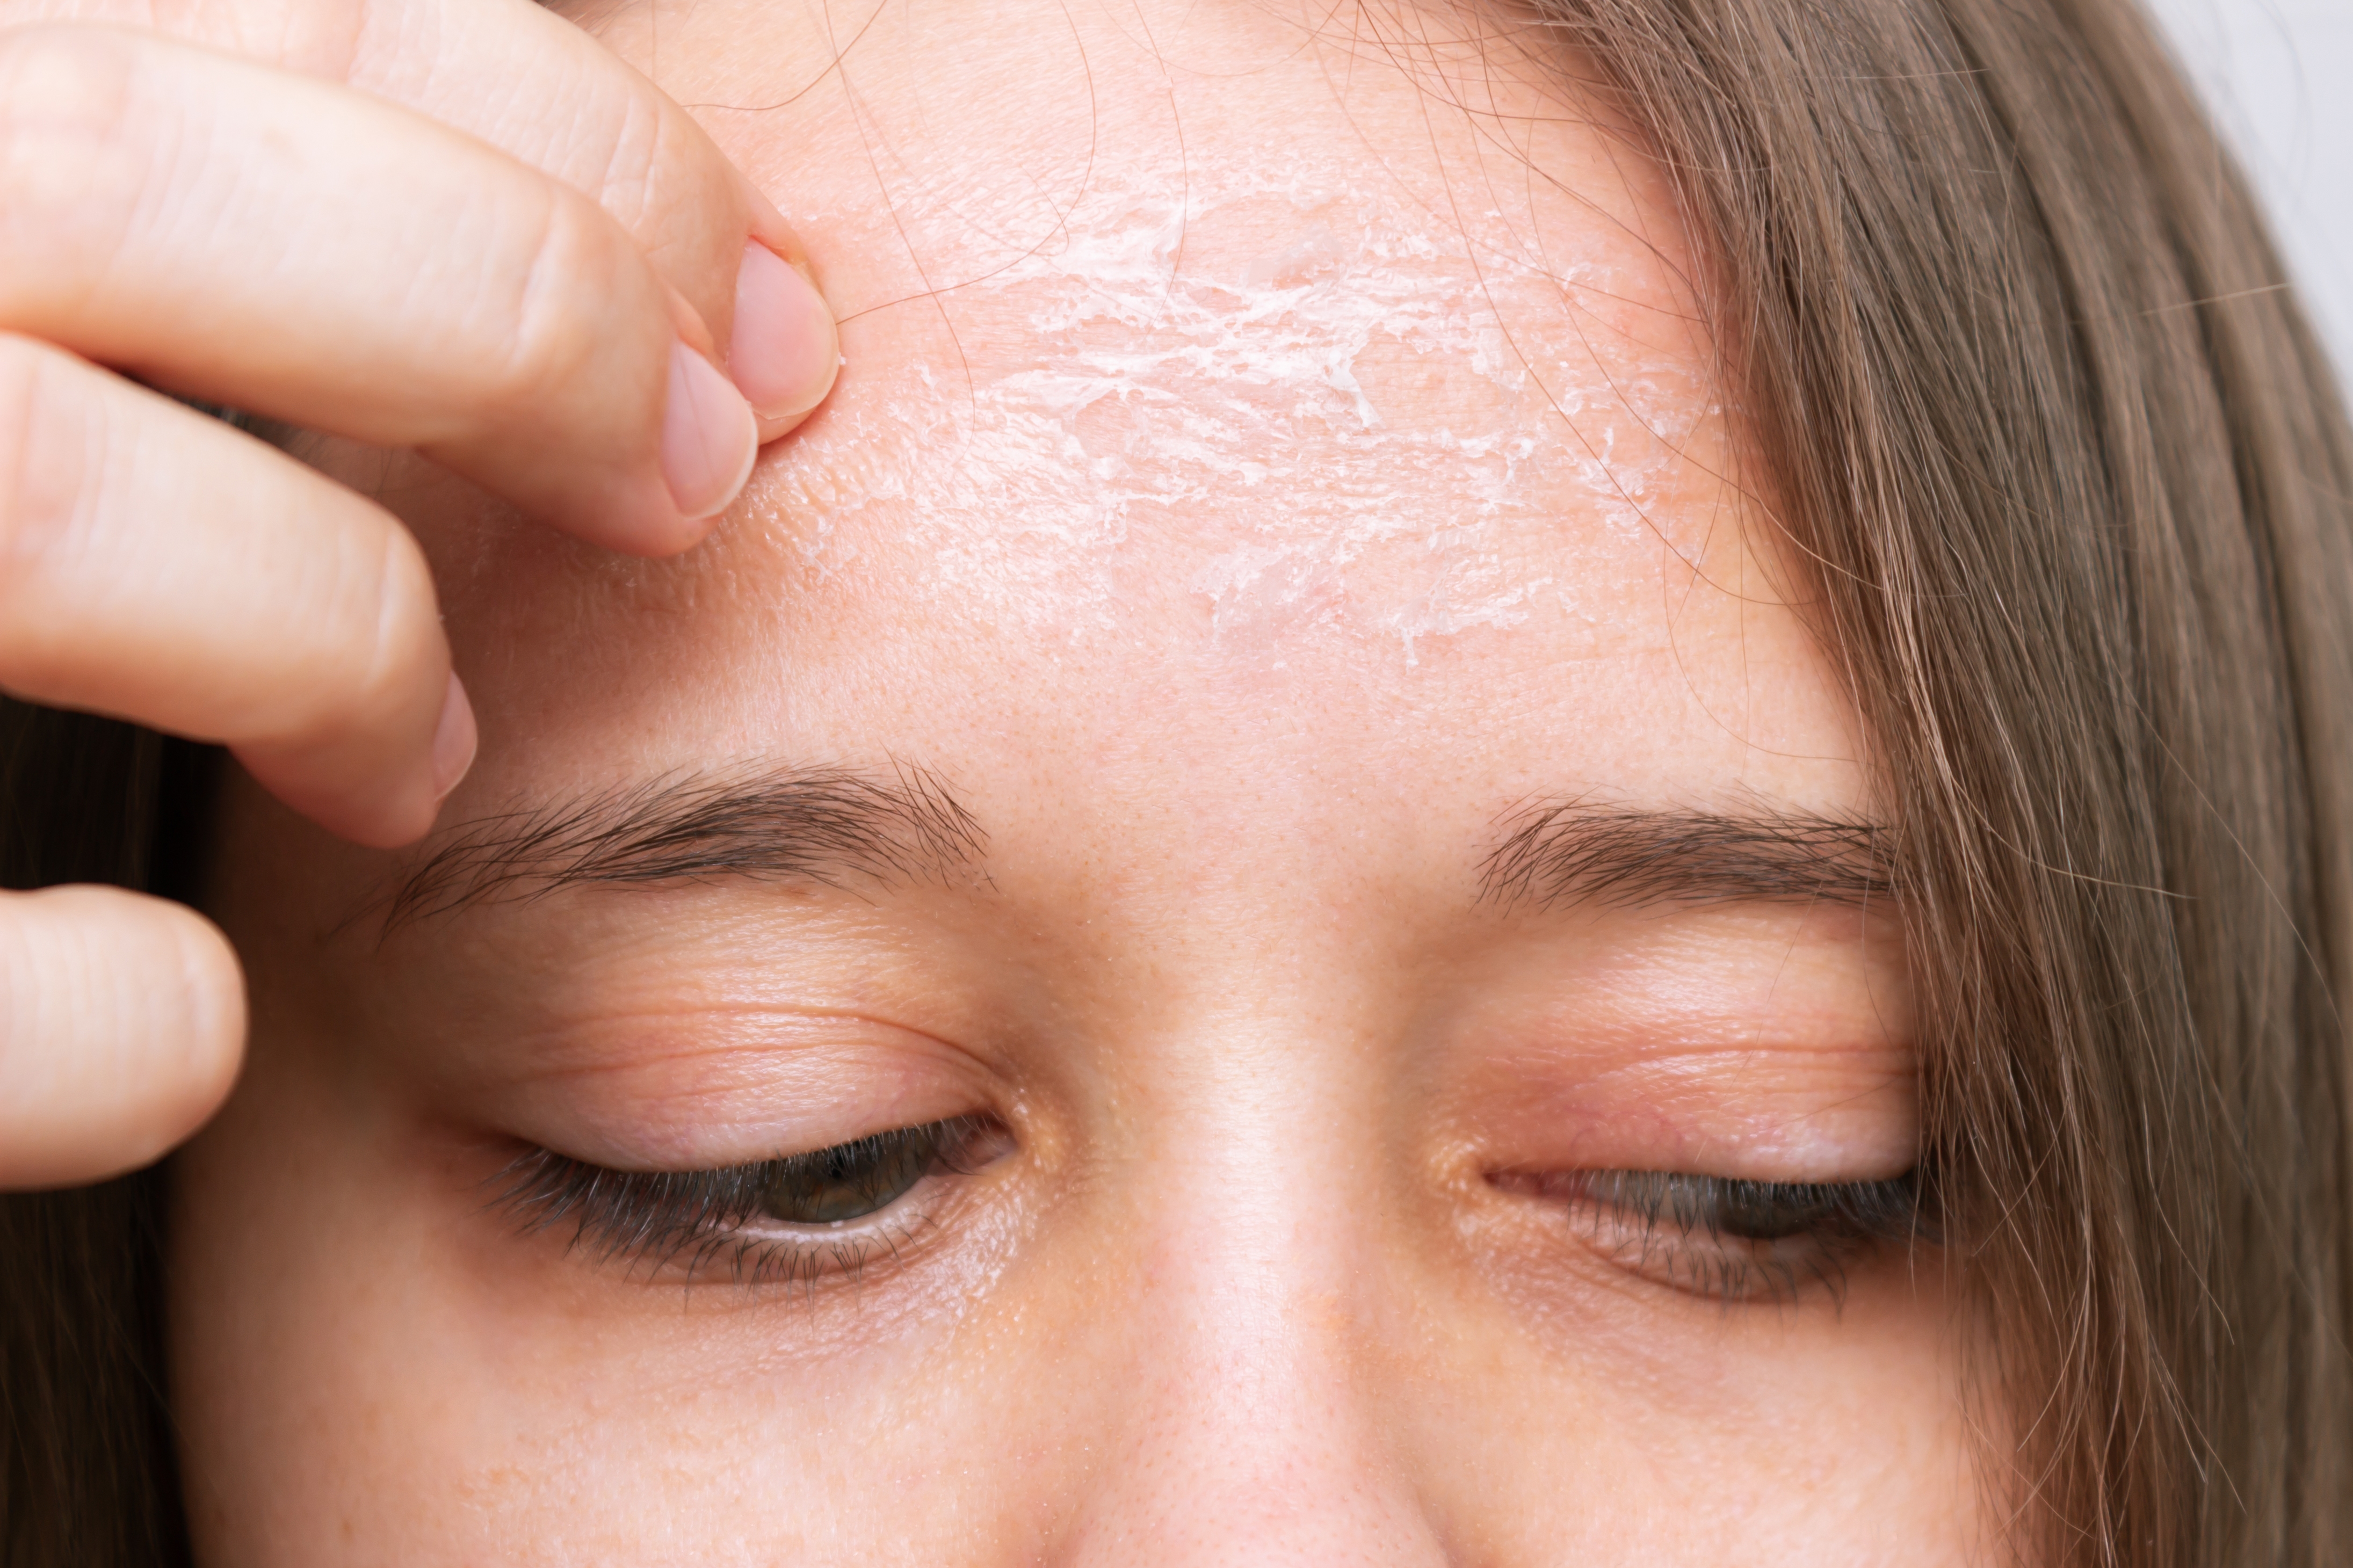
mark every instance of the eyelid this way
{"type": "Point", "coordinates": [1696, 1204]}
{"type": "Point", "coordinates": [1768, 1109]}
{"type": "Point", "coordinates": [707, 1089]}
{"type": "Point", "coordinates": [653, 1219]}
{"type": "Point", "coordinates": [1670, 1226]}
{"type": "Point", "coordinates": [1716, 1040]}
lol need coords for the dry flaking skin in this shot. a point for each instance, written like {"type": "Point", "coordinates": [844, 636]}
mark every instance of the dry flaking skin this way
{"type": "Point", "coordinates": [1363, 409]}
{"type": "Point", "coordinates": [1251, 497]}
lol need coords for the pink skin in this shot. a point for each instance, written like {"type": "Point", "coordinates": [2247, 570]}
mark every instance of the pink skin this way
{"type": "Point", "coordinates": [1270, 1261]}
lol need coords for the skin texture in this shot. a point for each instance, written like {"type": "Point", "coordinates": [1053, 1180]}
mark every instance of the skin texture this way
{"type": "Point", "coordinates": [1245, 636]}
{"type": "Point", "coordinates": [459, 227]}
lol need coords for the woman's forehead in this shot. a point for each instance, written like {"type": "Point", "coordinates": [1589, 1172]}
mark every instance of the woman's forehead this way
{"type": "Point", "coordinates": [1249, 369]}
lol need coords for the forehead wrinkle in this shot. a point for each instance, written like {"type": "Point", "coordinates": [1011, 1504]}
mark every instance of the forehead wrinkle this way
{"type": "Point", "coordinates": [824, 826]}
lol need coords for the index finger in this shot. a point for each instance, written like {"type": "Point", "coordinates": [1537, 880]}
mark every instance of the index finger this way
{"type": "Point", "coordinates": [525, 81]}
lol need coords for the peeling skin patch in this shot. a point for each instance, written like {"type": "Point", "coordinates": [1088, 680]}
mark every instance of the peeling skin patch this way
{"type": "Point", "coordinates": [1353, 423]}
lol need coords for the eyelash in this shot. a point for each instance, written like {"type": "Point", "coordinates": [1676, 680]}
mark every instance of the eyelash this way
{"type": "Point", "coordinates": [1722, 1238]}
{"type": "Point", "coordinates": [1735, 1241]}
{"type": "Point", "coordinates": [658, 1219]}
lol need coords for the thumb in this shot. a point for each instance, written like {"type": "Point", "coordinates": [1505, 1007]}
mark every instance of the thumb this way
{"type": "Point", "coordinates": [121, 1024]}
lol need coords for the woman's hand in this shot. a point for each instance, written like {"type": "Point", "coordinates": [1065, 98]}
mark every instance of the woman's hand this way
{"type": "Point", "coordinates": [457, 225]}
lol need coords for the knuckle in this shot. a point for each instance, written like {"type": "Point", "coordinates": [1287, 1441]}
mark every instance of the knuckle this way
{"type": "Point", "coordinates": [579, 281]}
{"type": "Point", "coordinates": [639, 156]}
{"type": "Point", "coordinates": [364, 637]}
{"type": "Point", "coordinates": [44, 463]}
{"type": "Point", "coordinates": [669, 186]}
{"type": "Point", "coordinates": [74, 77]}
{"type": "Point", "coordinates": [666, 183]}
{"type": "Point", "coordinates": [634, 167]}
{"type": "Point", "coordinates": [21, 406]}
{"type": "Point", "coordinates": [69, 171]}
{"type": "Point", "coordinates": [396, 632]}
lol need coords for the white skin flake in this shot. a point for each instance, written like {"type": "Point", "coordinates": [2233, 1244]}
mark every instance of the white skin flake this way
{"type": "Point", "coordinates": [1356, 424]}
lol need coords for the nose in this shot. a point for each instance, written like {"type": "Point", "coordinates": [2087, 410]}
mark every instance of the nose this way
{"type": "Point", "coordinates": [1251, 1429]}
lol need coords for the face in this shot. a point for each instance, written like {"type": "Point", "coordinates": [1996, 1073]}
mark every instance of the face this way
{"type": "Point", "coordinates": [1229, 919]}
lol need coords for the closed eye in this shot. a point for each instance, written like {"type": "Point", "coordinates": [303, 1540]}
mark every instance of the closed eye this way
{"type": "Point", "coordinates": [795, 1218]}
{"type": "Point", "coordinates": [1736, 1240]}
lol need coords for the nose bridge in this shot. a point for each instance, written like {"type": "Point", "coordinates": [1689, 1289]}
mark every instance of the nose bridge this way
{"type": "Point", "coordinates": [1250, 1428]}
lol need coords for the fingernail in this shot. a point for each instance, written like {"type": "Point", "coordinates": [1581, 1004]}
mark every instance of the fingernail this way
{"type": "Point", "coordinates": [784, 350]}
{"type": "Point", "coordinates": [709, 436]}
{"type": "Point", "coordinates": [454, 739]}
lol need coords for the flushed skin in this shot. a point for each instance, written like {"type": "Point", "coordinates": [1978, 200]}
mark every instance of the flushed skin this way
{"type": "Point", "coordinates": [1242, 630]}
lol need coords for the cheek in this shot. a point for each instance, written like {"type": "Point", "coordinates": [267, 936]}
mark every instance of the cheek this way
{"type": "Point", "coordinates": [364, 1355]}
{"type": "Point", "coordinates": [365, 1368]}
{"type": "Point", "coordinates": [1628, 1434]}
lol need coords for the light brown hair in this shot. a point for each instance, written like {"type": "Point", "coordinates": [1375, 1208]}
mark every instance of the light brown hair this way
{"type": "Point", "coordinates": [2075, 487]}
{"type": "Point", "coordinates": [2076, 490]}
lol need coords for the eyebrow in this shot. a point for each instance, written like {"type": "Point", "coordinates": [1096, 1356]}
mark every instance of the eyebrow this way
{"type": "Point", "coordinates": [832, 825]}
{"type": "Point", "coordinates": [828, 826]}
{"type": "Point", "coordinates": [1559, 852]}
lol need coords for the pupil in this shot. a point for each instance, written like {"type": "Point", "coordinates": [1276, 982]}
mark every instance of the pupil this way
{"type": "Point", "coordinates": [850, 1181]}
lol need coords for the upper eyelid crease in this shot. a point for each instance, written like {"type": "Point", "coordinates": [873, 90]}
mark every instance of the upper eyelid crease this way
{"type": "Point", "coordinates": [825, 826]}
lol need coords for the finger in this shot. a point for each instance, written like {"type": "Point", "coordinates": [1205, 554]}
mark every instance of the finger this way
{"type": "Point", "coordinates": [492, 68]}
{"type": "Point", "coordinates": [524, 80]}
{"type": "Point", "coordinates": [321, 257]}
{"type": "Point", "coordinates": [778, 313]}
{"type": "Point", "coordinates": [159, 566]}
{"type": "Point", "coordinates": [121, 1023]}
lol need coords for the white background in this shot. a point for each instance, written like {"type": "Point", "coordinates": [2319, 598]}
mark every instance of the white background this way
{"type": "Point", "coordinates": [2279, 75]}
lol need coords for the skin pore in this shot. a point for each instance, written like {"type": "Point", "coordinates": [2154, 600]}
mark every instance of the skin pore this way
{"type": "Point", "coordinates": [1264, 705]}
